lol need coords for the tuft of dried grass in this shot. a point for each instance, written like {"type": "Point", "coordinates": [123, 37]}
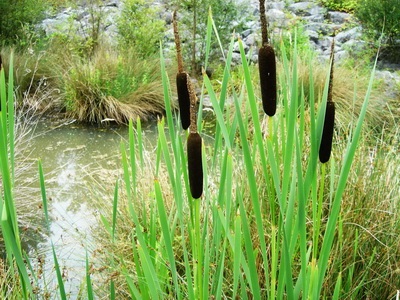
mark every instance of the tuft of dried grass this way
{"type": "Point", "coordinates": [112, 86]}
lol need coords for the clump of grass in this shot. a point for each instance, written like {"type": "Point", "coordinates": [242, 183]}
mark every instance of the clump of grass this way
{"type": "Point", "coordinates": [112, 86]}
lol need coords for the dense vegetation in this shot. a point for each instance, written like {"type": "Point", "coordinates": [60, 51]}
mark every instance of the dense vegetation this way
{"type": "Point", "coordinates": [273, 222]}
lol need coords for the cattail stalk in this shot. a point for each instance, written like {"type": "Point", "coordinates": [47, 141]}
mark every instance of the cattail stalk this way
{"type": "Point", "coordinates": [182, 81]}
{"type": "Point", "coordinates": [267, 67]}
{"type": "Point", "coordinates": [325, 148]}
{"type": "Point", "coordinates": [177, 43]}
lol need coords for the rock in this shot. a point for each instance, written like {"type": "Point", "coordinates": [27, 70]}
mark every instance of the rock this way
{"type": "Point", "coordinates": [313, 35]}
{"type": "Point", "coordinates": [340, 55]}
{"type": "Point", "coordinates": [354, 45]}
{"type": "Point", "coordinates": [337, 17]}
{"type": "Point", "coordinates": [391, 81]}
{"type": "Point", "coordinates": [275, 16]}
{"type": "Point", "coordinates": [306, 9]}
{"type": "Point", "coordinates": [246, 33]}
{"type": "Point", "coordinates": [275, 5]}
{"type": "Point", "coordinates": [253, 39]}
{"type": "Point", "coordinates": [168, 17]}
{"type": "Point", "coordinates": [344, 36]}
{"type": "Point", "coordinates": [322, 29]}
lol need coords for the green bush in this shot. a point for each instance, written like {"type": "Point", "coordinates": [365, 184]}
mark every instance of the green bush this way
{"type": "Point", "coordinates": [380, 16]}
{"type": "Point", "coordinates": [342, 5]}
{"type": "Point", "coordinates": [223, 11]}
{"type": "Point", "coordinates": [140, 27]}
{"type": "Point", "coordinates": [18, 19]}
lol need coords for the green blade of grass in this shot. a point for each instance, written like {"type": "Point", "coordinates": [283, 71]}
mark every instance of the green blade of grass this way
{"type": "Point", "coordinates": [168, 237]}
{"type": "Point", "coordinates": [60, 281]}
{"type": "Point", "coordinates": [89, 286]}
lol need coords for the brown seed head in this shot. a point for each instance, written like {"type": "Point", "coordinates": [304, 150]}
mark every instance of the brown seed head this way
{"type": "Point", "coordinates": [325, 147]}
{"type": "Point", "coordinates": [195, 164]}
{"type": "Point", "coordinates": [183, 98]}
{"type": "Point", "coordinates": [267, 69]}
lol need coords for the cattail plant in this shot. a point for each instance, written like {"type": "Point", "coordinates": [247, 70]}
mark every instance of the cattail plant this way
{"type": "Point", "coordinates": [194, 145]}
{"type": "Point", "coordinates": [329, 122]}
{"type": "Point", "coordinates": [182, 81]}
{"type": "Point", "coordinates": [267, 67]}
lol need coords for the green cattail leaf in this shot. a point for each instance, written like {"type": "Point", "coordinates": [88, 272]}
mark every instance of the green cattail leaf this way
{"type": "Point", "coordinates": [183, 98]}
{"type": "Point", "coordinates": [195, 166]}
{"type": "Point", "coordinates": [327, 133]}
{"type": "Point", "coordinates": [267, 69]}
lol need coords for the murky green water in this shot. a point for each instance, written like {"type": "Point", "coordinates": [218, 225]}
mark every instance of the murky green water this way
{"type": "Point", "coordinates": [78, 162]}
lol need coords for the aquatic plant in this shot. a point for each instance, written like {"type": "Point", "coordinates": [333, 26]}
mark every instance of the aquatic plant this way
{"type": "Point", "coordinates": [267, 67]}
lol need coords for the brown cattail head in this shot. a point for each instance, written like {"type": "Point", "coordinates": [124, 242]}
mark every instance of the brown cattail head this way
{"type": "Point", "coordinates": [195, 164]}
{"type": "Point", "coordinates": [267, 69]}
{"type": "Point", "coordinates": [327, 133]}
{"type": "Point", "coordinates": [182, 82]}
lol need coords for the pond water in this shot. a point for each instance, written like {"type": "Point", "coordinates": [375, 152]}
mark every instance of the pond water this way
{"type": "Point", "coordinates": [76, 161]}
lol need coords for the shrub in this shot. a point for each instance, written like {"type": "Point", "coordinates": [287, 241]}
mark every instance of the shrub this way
{"type": "Point", "coordinates": [140, 27]}
{"type": "Point", "coordinates": [223, 13]}
{"type": "Point", "coordinates": [380, 16]}
{"type": "Point", "coordinates": [18, 19]}
{"type": "Point", "coordinates": [342, 5]}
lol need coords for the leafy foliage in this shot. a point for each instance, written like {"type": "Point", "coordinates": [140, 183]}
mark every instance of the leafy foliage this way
{"type": "Point", "coordinates": [17, 19]}
{"type": "Point", "coordinates": [342, 5]}
{"type": "Point", "coordinates": [223, 13]}
{"type": "Point", "coordinates": [139, 26]}
{"type": "Point", "coordinates": [379, 16]}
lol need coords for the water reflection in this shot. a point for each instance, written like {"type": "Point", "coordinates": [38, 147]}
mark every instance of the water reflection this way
{"type": "Point", "coordinates": [76, 161]}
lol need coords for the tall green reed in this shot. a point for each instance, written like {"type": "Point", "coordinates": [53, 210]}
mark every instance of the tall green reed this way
{"type": "Point", "coordinates": [9, 222]}
{"type": "Point", "coordinates": [261, 229]}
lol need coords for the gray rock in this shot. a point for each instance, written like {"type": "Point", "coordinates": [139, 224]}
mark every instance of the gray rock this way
{"type": "Point", "coordinates": [246, 33]}
{"type": "Point", "coordinates": [253, 39]}
{"type": "Point", "coordinates": [337, 17]}
{"type": "Point", "coordinates": [340, 55]}
{"type": "Point", "coordinates": [313, 35]}
{"type": "Point", "coordinates": [168, 17]}
{"type": "Point", "coordinates": [391, 80]}
{"type": "Point", "coordinates": [344, 36]}
{"type": "Point", "coordinates": [354, 45]}
{"type": "Point", "coordinates": [306, 9]}
{"type": "Point", "coordinates": [275, 5]}
{"type": "Point", "coordinates": [323, 29]}
{"type": "Point", "coordinates": [236, 58]}
{"type": "Point", "coordinates": [275, 16]}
